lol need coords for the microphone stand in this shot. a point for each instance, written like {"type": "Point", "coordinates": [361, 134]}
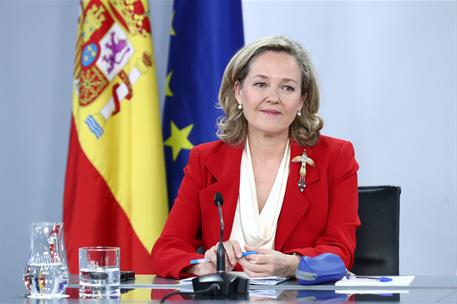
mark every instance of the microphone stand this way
{"type": "Point", "coordinates": [225, 285]}
{"type": "Point", "coordinates": [220, 252]}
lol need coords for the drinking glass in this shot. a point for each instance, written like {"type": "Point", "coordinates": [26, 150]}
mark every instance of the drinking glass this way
{"type": "Point", "coordinates": [99, 272]}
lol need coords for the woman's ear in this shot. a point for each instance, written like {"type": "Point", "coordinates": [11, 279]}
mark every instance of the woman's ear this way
{"type": "Point", "coordinates": [303, 99]}
{"type": "Point", "coordinates": [237, 91]}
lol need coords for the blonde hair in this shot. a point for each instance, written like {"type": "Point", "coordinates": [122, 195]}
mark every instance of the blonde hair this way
{"type": "Point", "coordinates": [232, 127]}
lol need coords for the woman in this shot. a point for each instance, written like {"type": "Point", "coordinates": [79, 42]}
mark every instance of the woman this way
{"type": "Point", "coordinates": [288, 191]}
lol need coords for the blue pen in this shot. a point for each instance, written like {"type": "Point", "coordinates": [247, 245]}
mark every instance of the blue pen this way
{"type": "Point", "coordinates": [380, 279]}
{"type": "Point", "coordinates": [205, 260]}
{"type": "Point", "coordinates": [198, 261]}
{"type": "Point", "coordinates": [246, 253]}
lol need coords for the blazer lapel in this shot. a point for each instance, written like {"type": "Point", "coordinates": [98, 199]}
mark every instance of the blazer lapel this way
{"type": "Point", "coordinates": [224, 166]}
{"type": "Point", "coordinates": [295, 202]}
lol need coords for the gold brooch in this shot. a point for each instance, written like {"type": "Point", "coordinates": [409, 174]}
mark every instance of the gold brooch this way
{"type": "Point", "coordinates": [303, 159]}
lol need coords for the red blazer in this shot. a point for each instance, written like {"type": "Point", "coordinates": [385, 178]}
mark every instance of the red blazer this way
{"type": "Point", "coordinates": [322, 218]}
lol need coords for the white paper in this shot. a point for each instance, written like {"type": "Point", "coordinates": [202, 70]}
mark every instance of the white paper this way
{"type": "Point", "coordinates": [397, 281]}
{"type": "Point", "coordinates": [265, 293]}
{"type": "Point", "coordinates": [273, 280]}
{"type": "Point", "coordinates": [186, 281]}
{"type": "Point", "coordinates": [267, 281]}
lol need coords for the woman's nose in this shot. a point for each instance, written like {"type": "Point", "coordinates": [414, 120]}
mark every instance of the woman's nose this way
{"type": "Point", "coordinates": [273, 96]}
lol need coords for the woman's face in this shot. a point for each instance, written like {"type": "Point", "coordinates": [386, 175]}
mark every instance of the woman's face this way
{"type": "Point", "coordinates": [271, 93]}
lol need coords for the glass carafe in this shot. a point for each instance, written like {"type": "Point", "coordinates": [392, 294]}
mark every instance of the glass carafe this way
{"type": "Point", "coordinates": [46, 272]}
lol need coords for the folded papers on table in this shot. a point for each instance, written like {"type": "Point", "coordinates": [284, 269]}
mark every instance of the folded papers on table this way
{"type": "Point", "coordinates": [267, 281]}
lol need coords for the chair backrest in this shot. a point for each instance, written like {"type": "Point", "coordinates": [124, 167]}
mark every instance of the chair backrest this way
{"type": "Point", "coordinates": [377, 250]}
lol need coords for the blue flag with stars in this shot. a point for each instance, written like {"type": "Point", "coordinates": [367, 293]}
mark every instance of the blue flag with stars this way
{"type": "Point", "coordinates": [205, 34]}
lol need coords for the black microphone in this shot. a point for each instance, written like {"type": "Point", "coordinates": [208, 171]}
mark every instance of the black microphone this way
{"type": "Point", "coordinates": [220, 253]}
{"type": "Point", "coordinates": [229, 286]}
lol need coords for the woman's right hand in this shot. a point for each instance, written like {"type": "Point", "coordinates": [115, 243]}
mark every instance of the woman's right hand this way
{"type": "Point", "coordinates": [233, 252]}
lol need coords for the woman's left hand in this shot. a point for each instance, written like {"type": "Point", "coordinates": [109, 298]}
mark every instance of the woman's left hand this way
{"type": "Point", "coordinates": [268, 262]}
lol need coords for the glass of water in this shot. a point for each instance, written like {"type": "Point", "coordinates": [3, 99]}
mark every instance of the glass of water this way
{"type": "Point", "coordinates": [99, 272]}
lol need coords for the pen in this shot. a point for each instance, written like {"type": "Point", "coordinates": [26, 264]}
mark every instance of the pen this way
{"type": "Point", "coordinates": [205, 260]}
{"type": "Point", "coordinates": [198, 261]}
{"type": "Point", "coordinates": [246, 253]}
{"type": "Point", "coordinates": [380, 279]}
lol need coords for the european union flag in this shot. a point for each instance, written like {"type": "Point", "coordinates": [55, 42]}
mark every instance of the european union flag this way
{"type": "Point", "coordinates": [205, 34]}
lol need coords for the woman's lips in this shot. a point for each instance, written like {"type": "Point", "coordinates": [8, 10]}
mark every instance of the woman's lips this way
{"type": "Point", "coordinates": [270, 112]}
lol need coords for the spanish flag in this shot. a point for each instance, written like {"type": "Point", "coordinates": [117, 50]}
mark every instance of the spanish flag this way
{"type": "Point", "coordinates": [115, 188]}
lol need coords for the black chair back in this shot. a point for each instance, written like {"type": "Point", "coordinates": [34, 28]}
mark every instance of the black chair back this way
{"type": "Point", "coordinates": [377, 251]}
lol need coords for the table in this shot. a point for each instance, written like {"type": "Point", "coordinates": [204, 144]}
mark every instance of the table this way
{"type": "Point", "coordinates": [149, 289]}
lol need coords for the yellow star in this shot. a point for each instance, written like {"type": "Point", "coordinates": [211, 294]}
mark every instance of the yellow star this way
{"type": "Point", "coordinates": [178, 139]}
{"type": "Point", "coordinates": [172, 30]}
{"type": "Point", "coordinates": [168, 91]}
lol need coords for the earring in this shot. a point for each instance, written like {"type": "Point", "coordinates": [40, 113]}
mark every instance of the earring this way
{"type": "Point", "coordinates": [240, 106]}
{"type": "Point", "coordinates": [298, 113]}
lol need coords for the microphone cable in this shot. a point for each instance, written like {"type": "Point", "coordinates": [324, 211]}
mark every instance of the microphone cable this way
{"type": "Point", "coordinates": [211, 288]}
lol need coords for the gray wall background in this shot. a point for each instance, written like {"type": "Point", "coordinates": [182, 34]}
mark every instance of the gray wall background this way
{"type": "Point", "coordinates": [388, 79]}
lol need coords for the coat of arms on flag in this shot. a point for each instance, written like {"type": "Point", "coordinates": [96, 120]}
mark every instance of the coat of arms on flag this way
{"type": "Point", "coordinates": [106, 34]}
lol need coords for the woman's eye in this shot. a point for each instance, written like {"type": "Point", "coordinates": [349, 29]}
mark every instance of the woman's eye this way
{"type": "Point", "coordinates": [289, 88]}
{"type": "Point", "coordinates": [260, 84]}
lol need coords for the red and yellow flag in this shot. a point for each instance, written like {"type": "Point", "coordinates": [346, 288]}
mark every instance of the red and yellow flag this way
{"type": "Point", "coordinates": [115, 190]}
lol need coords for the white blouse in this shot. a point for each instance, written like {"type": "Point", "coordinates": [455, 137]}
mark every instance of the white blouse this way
{"type": "Point", "coordinates": [249, 226]}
